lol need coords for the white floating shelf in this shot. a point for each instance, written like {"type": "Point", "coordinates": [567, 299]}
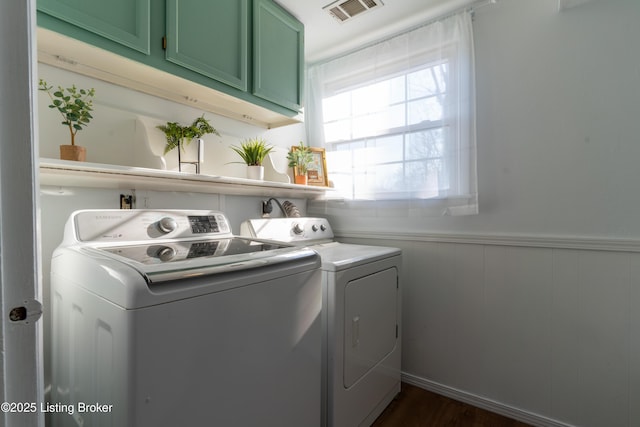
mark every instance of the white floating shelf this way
{"type": "Point", "coordinates": [97, 175]}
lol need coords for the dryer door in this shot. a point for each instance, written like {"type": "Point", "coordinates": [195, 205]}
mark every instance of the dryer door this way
{"type": "Point", "coordinates": [370, 322]}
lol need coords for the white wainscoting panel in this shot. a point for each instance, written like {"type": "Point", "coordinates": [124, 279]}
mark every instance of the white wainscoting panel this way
{"type": "Point", "coordinates": [552, 334]}
{"type": "Point", "coordinates": [517, 326]}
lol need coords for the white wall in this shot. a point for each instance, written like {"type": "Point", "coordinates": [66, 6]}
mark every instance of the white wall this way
{"type": "Point", "coordinates": [545, 335]}
{"type": "Point", "coordinates": [557, 102]}
{"type": "Point", "coordinates": [531, 307]}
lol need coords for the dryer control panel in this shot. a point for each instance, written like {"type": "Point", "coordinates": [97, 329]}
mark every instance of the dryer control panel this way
{"type": "Point", "coordinates": [290, 230]}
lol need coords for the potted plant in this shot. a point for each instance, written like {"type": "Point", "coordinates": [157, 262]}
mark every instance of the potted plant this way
{"type": "Point", "coordinates": [75, 106]}
{"type": "Point", "coordinates": [300, 158]}
{"type": "Point", "coordinates": [181, 136]}
{"type": "Point", "coordinates": [253, 151]}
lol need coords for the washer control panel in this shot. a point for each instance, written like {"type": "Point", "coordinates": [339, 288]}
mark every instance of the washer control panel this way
{"type": "Point", "coordinates": [143, 225]}
{"type": "Point", "coordinates": [288, 230]}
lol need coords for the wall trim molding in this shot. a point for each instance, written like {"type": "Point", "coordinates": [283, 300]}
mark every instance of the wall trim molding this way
{"type": "Point", "coordinates": [498, 239]}
{"type": "Point", "coordinates": [568, 4]}
{"type": "Point", "coordinates": [482, 402]}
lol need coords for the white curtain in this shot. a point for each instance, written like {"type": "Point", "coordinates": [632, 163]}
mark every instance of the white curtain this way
{"type": "Point", "coordinates": [448, 41]}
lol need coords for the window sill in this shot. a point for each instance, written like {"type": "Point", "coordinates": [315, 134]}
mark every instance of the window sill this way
{"type": "Point", "coordinates": [434, 207]}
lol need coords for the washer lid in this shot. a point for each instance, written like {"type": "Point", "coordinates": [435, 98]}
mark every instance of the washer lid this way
{"type": "Point", "coordinates": [176, 251]}
{"type": "Point", "coordinates": [339, 256]}
{"type": "Point", "coordinates": [132, 285]}
{"type": "Point", "coordinates": [174, 260]}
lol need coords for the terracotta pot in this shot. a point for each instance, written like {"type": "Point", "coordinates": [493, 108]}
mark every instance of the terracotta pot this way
{"type": "Point", "coordinates": [300, 179]}
{"type": "Point", "coordinates": [73, 152]}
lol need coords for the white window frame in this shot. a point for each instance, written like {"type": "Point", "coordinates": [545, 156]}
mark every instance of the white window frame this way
{"type": "Point", "coordinates": [445, 123]}
{"type": "Point", "coordinates": [458, 120]}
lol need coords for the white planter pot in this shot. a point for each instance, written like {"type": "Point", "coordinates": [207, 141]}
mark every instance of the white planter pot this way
{"type": "Point", "coordinates": [255, 172]}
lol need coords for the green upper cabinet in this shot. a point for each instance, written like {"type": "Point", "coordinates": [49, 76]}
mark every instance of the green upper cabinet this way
{"type": "Point", "coordinates": [210, 38]}
{"type": "Point", "coordinates": [123, 21]}
{"type": "Point", "coordinates": [250, 51]}
{"type": "Point", "coordinates": [278, 55]}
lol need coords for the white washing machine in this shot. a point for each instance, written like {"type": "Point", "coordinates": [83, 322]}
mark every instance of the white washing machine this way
{"type": "Point", "coordinates": [361, 318]}
{"type": "Point", "coordinates": [164, 318]}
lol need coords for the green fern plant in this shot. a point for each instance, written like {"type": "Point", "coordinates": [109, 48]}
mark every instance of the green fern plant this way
{"type": "Point", "coordinates": [253, 151]}
{"type": "Point", "coordinates": [181, 136]}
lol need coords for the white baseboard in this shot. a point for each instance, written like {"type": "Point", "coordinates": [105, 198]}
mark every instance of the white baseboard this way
{"type": "Point", "coordinates": [482, 402]}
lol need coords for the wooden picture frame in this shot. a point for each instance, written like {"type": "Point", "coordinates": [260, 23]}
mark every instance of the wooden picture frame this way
{"type": "Point", "coordinates": [316, 173]}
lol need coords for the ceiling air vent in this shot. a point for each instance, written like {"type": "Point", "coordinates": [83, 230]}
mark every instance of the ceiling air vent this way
{"type": "Point", "coordinates": [343, 10]}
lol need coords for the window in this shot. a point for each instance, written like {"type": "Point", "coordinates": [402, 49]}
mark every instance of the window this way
{"type": "Point", "coordinates": [397, 118]}
{"type": "Point", "coordinates": [388, 138]}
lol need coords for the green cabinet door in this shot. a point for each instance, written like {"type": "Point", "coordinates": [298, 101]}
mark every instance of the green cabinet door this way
{"type": "Point", "coordinates": [123, 21]}
{"type": "Point", "coordinates": [278, 55]}
{"type": "Point", "coordinates": [210, 38]}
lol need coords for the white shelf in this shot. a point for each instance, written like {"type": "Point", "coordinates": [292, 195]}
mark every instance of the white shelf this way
{"type": "Point", "coordinates": [97, 175]}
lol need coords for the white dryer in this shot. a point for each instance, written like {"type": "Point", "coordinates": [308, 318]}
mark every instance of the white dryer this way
{"type": "Point", "coordinates": [360, 316]}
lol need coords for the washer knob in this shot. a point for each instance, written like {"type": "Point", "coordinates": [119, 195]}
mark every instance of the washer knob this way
{"type": "Point", "coordinates": [323, 227]}
{"type": "Point", "coordinates": [297, 229]}
{"type": "Point", "coordinates": [314, 227]}
{"type": "Point", "coordinates": [167, 225]}
{"type": "Point", "coordinates": [166, 253]}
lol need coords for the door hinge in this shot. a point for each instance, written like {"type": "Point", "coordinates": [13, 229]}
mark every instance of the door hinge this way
{"type": "Point", "coordinates": [29, 312]}
{"type": "Point", "coordinates": [164, 43]}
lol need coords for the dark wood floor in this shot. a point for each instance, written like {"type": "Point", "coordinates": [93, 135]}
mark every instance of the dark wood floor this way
{"type": "Point", "coordinates": [415, 407]}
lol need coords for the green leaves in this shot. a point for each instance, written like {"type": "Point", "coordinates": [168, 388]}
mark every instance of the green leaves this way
{"type": "Point", "coordinates": [75, 105]}
{"type": "Point", "coordinates": [253, 151]}
{"type": "Point", "coordinates": [300, 157]}
{"type": "Point", "coordinates": [173, 131]}
{"type": "Point", "coordinates": [178, 135]}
